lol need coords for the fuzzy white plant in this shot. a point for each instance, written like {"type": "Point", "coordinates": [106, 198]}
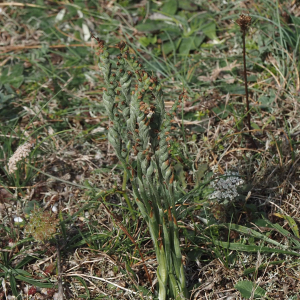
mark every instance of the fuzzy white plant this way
{"type": "Point", "coordinates": [22, 152]}
{"type": "Point", "coordinates": [225, 187]}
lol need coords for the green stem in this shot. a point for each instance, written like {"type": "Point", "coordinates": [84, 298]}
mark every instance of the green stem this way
{"type": "Point", "coordinates": [125, 195]}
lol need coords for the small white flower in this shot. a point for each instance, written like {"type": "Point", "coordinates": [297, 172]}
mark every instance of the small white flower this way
{"type": "Point", "coordinates": [18, 220]}
{"type": "Point", "coordinates": [54, 208]}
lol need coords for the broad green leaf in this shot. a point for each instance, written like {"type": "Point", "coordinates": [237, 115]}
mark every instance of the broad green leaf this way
{"type": "Point", "coordinates": [198, 129]}
{"type": "Point", "coordinates": [252, 78]}
{"type": "Point", "coordinates": [13, 286]}
{"type": "Point", "coordinates": [72, 11]}
{"type": "Point", "coordinates": [246, 287]}
{"type": "Point", "coordinates": [80, 3]}
{"type": "Point", "coordinates": [144, 291]}
{"type": "Point", "coordinates": [170, 7]}
{"type": "Point", "coordinates": [3, 268]}
{"type": "Point", "coordinates": [186, 45]}
{"type": "Point", "coordinates": [168, 47]}
{"type": "Point", "coordinates": [197, 41]}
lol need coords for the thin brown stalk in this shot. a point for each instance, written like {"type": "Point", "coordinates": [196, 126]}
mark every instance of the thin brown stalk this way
{"type": "Point", "coordinates": [246, 81]}
{"type": "Point", "coordinates": [244, 22]}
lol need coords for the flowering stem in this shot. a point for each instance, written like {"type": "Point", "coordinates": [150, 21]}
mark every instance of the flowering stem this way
{"type": "Point", "coordinates": [244, 22]}
{"type": "Point", "coordinates": [246, 82]}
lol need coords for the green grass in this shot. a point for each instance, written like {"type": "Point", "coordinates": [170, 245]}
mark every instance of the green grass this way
{"type": "Point", "coordinates": [51, 92]}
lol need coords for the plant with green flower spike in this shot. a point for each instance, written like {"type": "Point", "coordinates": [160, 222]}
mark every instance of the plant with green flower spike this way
{"type": "Point", "coordinates": [141, 129]}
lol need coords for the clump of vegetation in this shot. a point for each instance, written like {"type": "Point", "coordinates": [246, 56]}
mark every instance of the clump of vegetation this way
{"type": "Point", "coordinates": [141, 132]}
{"type": "Point", "coordinates": [238, 233]}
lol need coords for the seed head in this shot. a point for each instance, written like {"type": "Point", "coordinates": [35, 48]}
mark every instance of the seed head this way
{"type": "Point", "coordinates": [121, 45]}
{"type": "Point", "coordinates": [101, 43]}
{"type": "Point", "coordinates": [22, 152]}
{"type": "Point", "coordinates": [244, 22]}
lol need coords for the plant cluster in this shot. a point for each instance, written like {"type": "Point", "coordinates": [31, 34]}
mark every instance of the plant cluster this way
{"type": "Point", "coordinates": [140, 132]}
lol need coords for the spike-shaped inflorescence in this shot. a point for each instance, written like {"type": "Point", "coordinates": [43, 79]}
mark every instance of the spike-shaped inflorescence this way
{"type": "Point", "coordinates": [141, 129]}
